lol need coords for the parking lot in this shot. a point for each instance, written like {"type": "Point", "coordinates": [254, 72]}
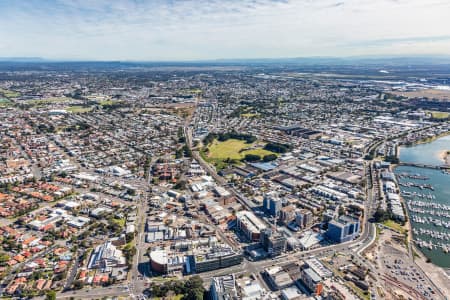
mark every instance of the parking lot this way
{"type": "Point", "coordinates": [402, 276]}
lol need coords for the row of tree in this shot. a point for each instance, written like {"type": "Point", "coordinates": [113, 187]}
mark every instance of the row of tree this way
{"type": "Point", "coordinates": [183, 151]}
{"type": "Point", "coordinates": [277, 148]}
{"type": "Point", "coordinates": [222, 137]}
{"type": "Point", "coordinates": [255, 157]}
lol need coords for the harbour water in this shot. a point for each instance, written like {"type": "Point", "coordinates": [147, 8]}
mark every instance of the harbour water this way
{"type": "Point", "coordinates": [428, 153]}
{"type": "Point", "coordinates": [426, 193]}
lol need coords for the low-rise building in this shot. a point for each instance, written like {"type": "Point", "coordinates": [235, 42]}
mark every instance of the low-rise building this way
{"type": "Point", "coordinates": [278, 278]}
{"type": "Point", "coordinates": [223, 288]}
{"type": "Point", "coordinates": [312, 281]}
{"type": "Point", "coordinates": [106, 256]}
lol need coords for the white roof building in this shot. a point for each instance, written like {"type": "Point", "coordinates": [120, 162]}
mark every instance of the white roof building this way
{"type": "Point", "coordinates": [106, 256]}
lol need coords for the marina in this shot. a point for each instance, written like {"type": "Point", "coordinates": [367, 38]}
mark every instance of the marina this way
{"type": "Point", "coordinates": [426, 195]}
{"type": "Point", "coordinates": [412, 176]}
{"type": "Point", "coordinates": [420, 186]}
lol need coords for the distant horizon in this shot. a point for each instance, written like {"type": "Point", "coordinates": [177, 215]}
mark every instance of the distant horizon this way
{"type": "Point", "coordinates": [38, 59]}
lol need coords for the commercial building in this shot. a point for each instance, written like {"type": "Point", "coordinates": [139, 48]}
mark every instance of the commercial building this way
{"type": "Point", "coordinates": [273, 242]}
{"type": "Point", "coordinates": [217, 258]}
{"type": "Point", "coordinates": [272, 204]}
{"type": "Point", "coordinates": [106, 256]}
{"type": "Point", "coordinates": [252, 291]}
{"type": "Point", "coordinates": [78, 222]}
{"type": "Point", "coordinates": [287, 214]}
{"type": "Point", "coordinates": [312, 281]}
{"type": "Point", "coordinates": [161, 262]}
{"type": "Point", "coordinates": [292, 293]}
{"type": "Point", "coordinates": [318, 267]}
{"type": "Point", "coordinates": [343, 229]}
{"type": "Point", "coordinates": [223, 288]}
{"type": "Point", "coordinates": [278, 278]}
{"type": "Point", "coordinates": [303, 218]}
{"type": "Point", "coordinates": [250, 225]}
{"type": "Point", "coordinates": [310, 239]}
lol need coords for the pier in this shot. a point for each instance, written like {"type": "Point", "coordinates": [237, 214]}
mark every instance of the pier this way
{"type": "Point", "coordinates": [441, 167]}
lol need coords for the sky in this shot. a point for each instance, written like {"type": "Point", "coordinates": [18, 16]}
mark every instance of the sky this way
{"type": "Point", "coordinates": [156, 30]}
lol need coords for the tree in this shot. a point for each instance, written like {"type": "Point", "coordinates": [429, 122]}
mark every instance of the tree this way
{"type": "Point", "coordinates": [4, 258]}
{"type": "Point", "coordinates": [179, 153]}
{"type": "Point", "coordinates": [51, 295]}
{"type": "Point", "coordinates": [277, 148]}
{"type": "Point", "coordinates": [269, 157]}
{"type": "Point", "coordinates": [194, 288]}
{"type": "Point", "coordinates": [129, 236]}
{"type": "Point", "coordinates": [252, 157]}
{"type": "Point", "coordinates": [381, 215]}
{"type": "Point", "coordinates": [180, 185]}
{"type": "Point", "coordinates": [187, 151]}
{"type": "Point", "coordinates": [196, 294]}
{"type": "Point", "coordinates": [392, 159]}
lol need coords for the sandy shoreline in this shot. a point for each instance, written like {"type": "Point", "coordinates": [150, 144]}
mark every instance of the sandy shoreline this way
{"type": "Point", "coordinates": [445, 157]}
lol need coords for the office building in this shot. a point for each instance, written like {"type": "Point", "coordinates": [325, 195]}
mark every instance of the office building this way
{"type": "Point", "coordinates": [250, 225]}
{"type": "Point", "coordinates": [272, 204]}
{"type": "Point", "coordinates": [343, 229]}
{"type": "Point", "coordinates": [273, 242]}
{"type": "Point", "coordinates": [287, 214]}
{"type": "Point", "coordinates": [303, 218]}
{"type": "Point", "coordinates": [162, 262]}
{"type": "Point", "coordinates": [217, 258]}
{"type": "Point", "coordinates": [106, 256]}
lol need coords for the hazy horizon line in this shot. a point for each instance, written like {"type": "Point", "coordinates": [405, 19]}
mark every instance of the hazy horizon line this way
{"type": "Point", "coordinates": [237, 59]}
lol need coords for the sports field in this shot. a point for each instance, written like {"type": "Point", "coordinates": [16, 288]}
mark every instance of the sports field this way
{"type": "Point", "coordinates": [4, 102]}
{"type": "Point", "coordinates": [439, 114]}
{"type": "Point", "coordinates": [9, 94]}
{"type": "Point", "coordinates": [78, 109]}
{"type": "Point", "coordinates": [234, 150]}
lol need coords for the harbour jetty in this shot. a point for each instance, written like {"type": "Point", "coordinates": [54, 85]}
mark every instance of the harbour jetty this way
{"type": "Point", "coordinates": [419, 165]}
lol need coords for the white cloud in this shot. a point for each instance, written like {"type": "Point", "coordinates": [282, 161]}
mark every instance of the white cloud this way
{"type": "Point", "coordinates": [171, 29]}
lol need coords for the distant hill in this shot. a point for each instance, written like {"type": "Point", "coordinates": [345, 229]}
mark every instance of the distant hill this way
{"type": "Point", "coordinates": [351, 60]}
{"type": "Point", "coordinates": [22, 59]}
{"type": "Point", "coordinates": [364, 60]}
